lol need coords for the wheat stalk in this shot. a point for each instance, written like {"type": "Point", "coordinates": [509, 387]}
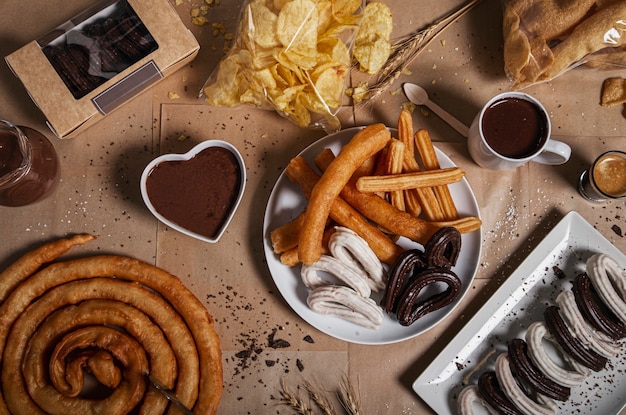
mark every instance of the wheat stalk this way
{"type": "Point", "coordinates": [293, 401]}
{"type": "Point", "coordinates": [349, 398]}
{"type": "Point", "coordinates": [407, 49]}
{"type": "Point", "coordinates": [346, 394]}
{"type": "Point", "coordinates": [322, 402]}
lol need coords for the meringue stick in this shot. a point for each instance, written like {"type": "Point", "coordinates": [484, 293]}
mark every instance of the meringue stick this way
{"type": "Point", "coordinates": [365, 143]}
{"type": "Point", "coordinates": [341, 212]}
{"type": "Point", "coordinates": [429, 158]}
{"type": "Point", "coordinates": [388, 217]}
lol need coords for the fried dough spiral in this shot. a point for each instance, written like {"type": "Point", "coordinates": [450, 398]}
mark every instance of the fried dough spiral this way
{"type": "Point", "coordinates": [79, 336]}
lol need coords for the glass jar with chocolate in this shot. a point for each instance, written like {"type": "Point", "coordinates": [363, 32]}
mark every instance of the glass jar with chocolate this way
{"type": "Point", "coordinates": [29, 165]}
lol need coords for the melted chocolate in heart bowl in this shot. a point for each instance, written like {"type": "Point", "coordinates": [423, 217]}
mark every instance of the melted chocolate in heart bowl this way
{"type": "Point", "coordinates": [199, 193]}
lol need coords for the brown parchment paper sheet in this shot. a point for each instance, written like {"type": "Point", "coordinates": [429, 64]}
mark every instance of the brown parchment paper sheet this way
{"type": "Point", "coordinates": [461, 69]}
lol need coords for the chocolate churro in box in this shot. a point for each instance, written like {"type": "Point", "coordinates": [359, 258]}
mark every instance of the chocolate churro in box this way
{"type": "Point", "coordinates": [92, 64]}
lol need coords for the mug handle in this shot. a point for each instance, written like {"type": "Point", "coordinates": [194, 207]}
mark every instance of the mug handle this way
{"type": "Point", "coordinates": [555, 152]}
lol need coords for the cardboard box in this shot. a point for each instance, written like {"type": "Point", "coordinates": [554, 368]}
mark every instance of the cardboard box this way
{"type": "Point", "coordinates": [94, 63]}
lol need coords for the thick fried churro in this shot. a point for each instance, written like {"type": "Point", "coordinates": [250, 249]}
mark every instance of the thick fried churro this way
{"type": "Point", "coordinates": [388, 217]}
{"type": "Point", "coordinates": [285, 237]}
{"type": "Point", "coordinates": [363, 145]}
{"type": "Point", "coordinates": [341, 212]}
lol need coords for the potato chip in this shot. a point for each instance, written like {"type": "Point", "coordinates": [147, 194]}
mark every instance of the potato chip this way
{"type": "Point", "coordinates": [263, 25]}
{"type": "Point", "coordinates": [372, 45]}
{"type": "Point", "coordinates": [346, 11]}
{"type": "Point", "coordinates": [330, 84]}
{"type": "Point", "coordinates": [297, 27]}
{"type": "Point", "coordinates": [333, 50]}
{"type": "Point", "coordinates": [325, 15]}
{"type": "Point", "coordinates": [292, 56]}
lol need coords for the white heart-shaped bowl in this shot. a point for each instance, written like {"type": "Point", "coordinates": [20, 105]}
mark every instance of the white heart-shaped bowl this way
{"type": "Point", "coordinates": [188, 156]}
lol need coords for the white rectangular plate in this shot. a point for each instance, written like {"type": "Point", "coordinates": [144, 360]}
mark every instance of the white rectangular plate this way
{"type": "Point", "coordinates": [518, 302]}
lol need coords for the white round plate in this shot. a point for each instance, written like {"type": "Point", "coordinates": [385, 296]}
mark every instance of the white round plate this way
{"type": "Point", "coordinates": [287, 201]}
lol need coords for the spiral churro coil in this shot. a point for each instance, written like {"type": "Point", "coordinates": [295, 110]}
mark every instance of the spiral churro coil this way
{"type": "Point", "coordinates": [115, 316]}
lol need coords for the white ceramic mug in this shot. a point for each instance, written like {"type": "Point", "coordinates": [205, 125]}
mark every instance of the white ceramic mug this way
{"type": "Point", "coordinates": [542, 150]}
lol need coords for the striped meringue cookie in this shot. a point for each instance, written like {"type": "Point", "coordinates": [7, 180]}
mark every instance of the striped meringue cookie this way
{"type": "Point", "coordinates": [609, 280]}
{"type": "Point", "coordinates": [468, 398]}
{"type": "Point", "coordinates": [345, 245]}
{"type": "Point", "coordinates": [354, 279]}
{"type": "Point", "coordinates": [535, 334]}
{"type": "Point", "coordinates": [347, 304]}
{"type": "Point", "coordinates": [517, 396]}
{"type": "Point", "coordinates": [588, 335]}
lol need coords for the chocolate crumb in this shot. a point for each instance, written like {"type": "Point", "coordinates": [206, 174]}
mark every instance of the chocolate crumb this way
{"type": "Point", "coordinates": [270, 363]}
{"type": "Point", "coordinates": [276, 343]}
{"type": "Point", "coordinates": [308, 339]}
{"type": "Point", "coordinates": [558, 272]}
{"type": "Point", "coordinates": [299, 365]}
{"type": "Point", "coordinates": [617, 230]}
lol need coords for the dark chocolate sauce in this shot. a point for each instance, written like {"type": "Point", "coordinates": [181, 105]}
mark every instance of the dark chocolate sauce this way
{"type": "Point", "coordinates": [515, 128]}
{"type": "Point", "coordinates": [36, 181]}
{"type": "Point", "coordinates": [198, 193]}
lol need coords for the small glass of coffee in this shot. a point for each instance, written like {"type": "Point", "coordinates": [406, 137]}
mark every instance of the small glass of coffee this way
{"type": "Point", "coordinates": [29, 165]}
{"type": "Point", "coordinates": [512, 129]}
{"type": "Point", "coordinates": [606, 178]}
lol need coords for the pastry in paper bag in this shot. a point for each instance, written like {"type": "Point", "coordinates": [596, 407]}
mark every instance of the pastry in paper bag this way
{"type": "Point", "coordinates": [545, 38]}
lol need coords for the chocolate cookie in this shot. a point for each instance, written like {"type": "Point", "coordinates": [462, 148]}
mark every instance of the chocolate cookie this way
{"type": "Point", "coordinates": [71, 62]}
{"type": "Point", "coordinates": [590, 307]}
{"type": "Point", "coordinates": [410, 308]}
{"type": "Point", "coordinates": [443, 248]}
{"type": "Point", "coordinates": [407, 262]}
{"type": "Point", "coordinates": [530, 375]}
{"type": "Point", "coordinates": [491, 392]}
{"type": "Point", "coordinates": [570, 344]}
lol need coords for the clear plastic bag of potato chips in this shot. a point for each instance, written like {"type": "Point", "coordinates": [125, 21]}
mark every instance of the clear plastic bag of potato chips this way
{"type": "Point", "coordinates": [544, 39]}
{"type": "Point", "coordinates": [291, 56]}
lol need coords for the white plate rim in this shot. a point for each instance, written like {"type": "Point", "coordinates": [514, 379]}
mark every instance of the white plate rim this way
{"type": "Point", "coordinates": [294, 292]}
{"type": "Point", "coordinates": [433, 384]}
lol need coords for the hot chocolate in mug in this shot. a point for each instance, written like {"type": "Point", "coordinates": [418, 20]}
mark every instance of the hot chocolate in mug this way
{"type": "Point", "coordinates": [512, 129]}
